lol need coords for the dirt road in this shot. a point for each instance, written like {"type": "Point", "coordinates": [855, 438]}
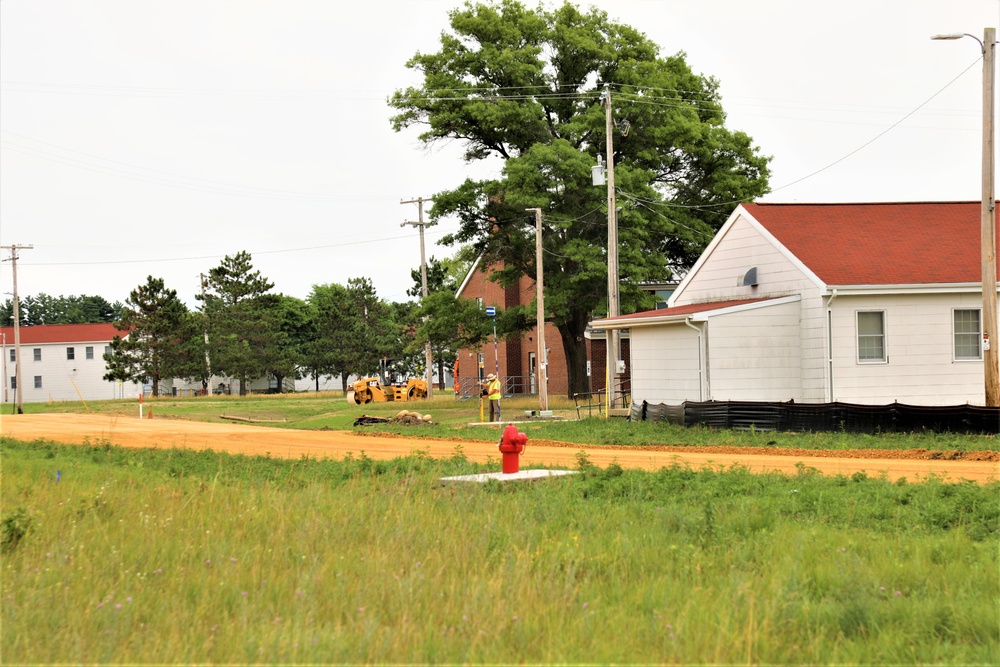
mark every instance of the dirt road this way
{"type": "Point", "coordinates": [240, 438]}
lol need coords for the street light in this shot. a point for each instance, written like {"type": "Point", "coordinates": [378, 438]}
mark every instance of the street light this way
{"type": "Point", "coordinates": [991, 371]}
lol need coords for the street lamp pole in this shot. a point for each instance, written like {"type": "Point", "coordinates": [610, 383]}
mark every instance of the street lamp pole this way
{"type": "Point", "coordinates": [541, 362]}
{"type": "Point", "coordinates": [991, 346]}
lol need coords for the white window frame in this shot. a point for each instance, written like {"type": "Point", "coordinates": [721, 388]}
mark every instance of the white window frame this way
{"type": "Point", "coordinates": [978, 342]}
{"type": "Point", "coordinates": [38, 382]}
{"type": "Point", "coordinates": [89, 352]}
{"type": "Point", "coordinates": [70, 354]}
{"type": "Point", "coordinates": [884, 359]}
{"type": "Point", "coordinates": [36, 354]}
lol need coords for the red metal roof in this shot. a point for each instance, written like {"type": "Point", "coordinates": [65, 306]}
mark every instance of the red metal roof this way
{"type": "Point", "coordinates": [62, 333]}
{"type": "Point", "coordinates": [880, 243]}
{"type": "Point", "coordinates": [687, 309]}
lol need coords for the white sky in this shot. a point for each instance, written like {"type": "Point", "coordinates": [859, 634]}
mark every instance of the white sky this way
{"type": "Point", "coordinates": [144, 137]}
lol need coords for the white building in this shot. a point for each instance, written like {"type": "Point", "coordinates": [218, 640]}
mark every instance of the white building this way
{"type": "Point", "coordinates": [860, 303]}
{"type": "Point", "coordinates": [61, 362]}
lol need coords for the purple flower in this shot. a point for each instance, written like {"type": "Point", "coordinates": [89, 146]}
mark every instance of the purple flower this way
{"type": "Point", "coordinates": [118, 606]}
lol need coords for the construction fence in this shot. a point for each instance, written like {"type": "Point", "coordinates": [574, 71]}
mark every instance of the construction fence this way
{"type": "Point", "coordinates": [848, 417]}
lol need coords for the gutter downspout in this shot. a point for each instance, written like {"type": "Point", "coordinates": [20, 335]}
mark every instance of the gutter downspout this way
{"type": "Point", "coordinates": [701, 366]}
{"type": "Point", "coordinates": [829, 341]}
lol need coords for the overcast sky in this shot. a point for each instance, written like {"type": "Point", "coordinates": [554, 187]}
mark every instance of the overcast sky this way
{"type": "Point", "coordinates": [154, 138]}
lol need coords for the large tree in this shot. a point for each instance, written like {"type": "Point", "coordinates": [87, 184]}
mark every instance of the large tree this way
{"type": "Point", "coordinates": [243, 319]}
{"type": "Point", "coordinates": [161, 341]}
{"type": "Point", "coordinates": [529, 87]}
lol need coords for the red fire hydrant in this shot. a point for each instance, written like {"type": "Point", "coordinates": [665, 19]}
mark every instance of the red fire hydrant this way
{"type": "Point", "coordinates": [511, 445]}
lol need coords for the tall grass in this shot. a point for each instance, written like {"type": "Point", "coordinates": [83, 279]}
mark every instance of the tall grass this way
{"type": "Point", "coordinates": [130, 556]}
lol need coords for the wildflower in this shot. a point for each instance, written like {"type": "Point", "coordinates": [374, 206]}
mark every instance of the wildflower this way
{"type": "Point", "coordinates": [586, 604]}
{"type": "Point", "coordinates": [244, 593]}
{"type": "Point", "coordinates": [118, 606]}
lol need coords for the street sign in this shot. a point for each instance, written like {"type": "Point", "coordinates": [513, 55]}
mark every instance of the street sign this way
{"type": "Point", "coordinates": [491, 311]}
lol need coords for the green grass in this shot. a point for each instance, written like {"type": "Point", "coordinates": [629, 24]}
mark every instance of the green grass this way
{"type": "Point", "coordinates": [453, 418]}
{"type": "Point", "coordinates": [140, 556]}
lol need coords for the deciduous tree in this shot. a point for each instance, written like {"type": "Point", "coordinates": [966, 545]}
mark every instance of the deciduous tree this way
{"type": "Point", "coordinates": [525, 86]}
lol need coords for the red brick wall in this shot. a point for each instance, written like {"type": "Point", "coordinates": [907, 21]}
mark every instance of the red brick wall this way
{"type": "Point", "coordinates": [513, 354]}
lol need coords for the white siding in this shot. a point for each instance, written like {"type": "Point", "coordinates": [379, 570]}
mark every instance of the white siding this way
{"type": "Point", "coordinates": [741, 248]}
{"type": "Point", "coordinates": [64, 379]}
{"type": "Point", "coordinates": [920, 368]}
{"type": "Point", "coordinates": [665, 364]}
{"type": "Point", "coordinates": [756, 355]}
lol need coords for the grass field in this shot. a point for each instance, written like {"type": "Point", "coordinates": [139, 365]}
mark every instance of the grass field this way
{"type": "Point", "coordinates": [122, 556]}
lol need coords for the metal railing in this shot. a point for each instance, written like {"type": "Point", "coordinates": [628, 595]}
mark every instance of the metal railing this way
{"type": "Point", "coordinates": [510, 385]}
{"type": "Point", "coordinates": [598, 400]}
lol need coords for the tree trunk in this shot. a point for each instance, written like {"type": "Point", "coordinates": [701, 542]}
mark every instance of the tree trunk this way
{"type": "Point", "coordinates": [243, 384]}
{"type": "Point", "coordinates": [441, 384]}
{"type": "Point", "coordinates": [575, 346]}
{"type": "Point", "coordinates": [343, 380]}
{"type": "Point", "coordinates": [156, 384]}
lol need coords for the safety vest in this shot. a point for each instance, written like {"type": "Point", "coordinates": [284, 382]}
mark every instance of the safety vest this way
{"type": "Point", "coordinates": [494, 390]}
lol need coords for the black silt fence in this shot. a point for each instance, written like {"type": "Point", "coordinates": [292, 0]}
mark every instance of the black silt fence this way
{"type": "Point", "coordinates": [849, 417]}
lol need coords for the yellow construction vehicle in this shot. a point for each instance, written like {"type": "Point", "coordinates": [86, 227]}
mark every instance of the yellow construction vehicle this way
{"type": "Point", "coordinates": [373, 389]}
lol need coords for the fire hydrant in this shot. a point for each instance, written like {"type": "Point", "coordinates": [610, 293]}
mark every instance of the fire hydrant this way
{"type": "Point", "coordinates": [511, 445]}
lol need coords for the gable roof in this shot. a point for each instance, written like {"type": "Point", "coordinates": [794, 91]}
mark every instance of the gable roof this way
{"type": "Point", "coordinates": [905, 243]}
{"type": "Point", "coordinates": [63, 333]}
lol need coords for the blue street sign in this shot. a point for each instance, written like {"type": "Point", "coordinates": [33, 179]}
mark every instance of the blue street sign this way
{"type": "Point", "coordinates": [491, 311]}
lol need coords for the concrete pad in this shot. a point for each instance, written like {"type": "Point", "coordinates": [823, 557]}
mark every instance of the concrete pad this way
{"type": "Point", "coordinates": [521, 475]}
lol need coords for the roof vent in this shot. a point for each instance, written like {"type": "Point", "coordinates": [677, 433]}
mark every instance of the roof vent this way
{"type": "Point", "coordinates": [749, 279]}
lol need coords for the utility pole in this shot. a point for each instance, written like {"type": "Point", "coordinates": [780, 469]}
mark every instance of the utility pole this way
{"type": "Point", "coordinates": [208, 359]}
{"type": "Point", "coordinates": [991, 346]}
{"type": "Point", "coordinates": [612, 340]}
{"type": "Point", "coordinates": [542, 364]}
{"type": "Point", "coordinates": [428, 359]}
{"type": "Point", "coordinates": [19, 400]}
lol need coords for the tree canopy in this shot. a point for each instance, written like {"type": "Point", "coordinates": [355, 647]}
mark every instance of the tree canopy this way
{"type": "Point", "coordinates": [528, 87]}
{"type": "Point", "coordinates": [45, 309]}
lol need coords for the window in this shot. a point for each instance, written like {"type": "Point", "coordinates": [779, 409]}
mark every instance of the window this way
{"type": "Point", "coordinates": [90, 351]}
{"type": "Point", "coordinates": [13, 382]}
{"type": "Point", "coordinates": [107, 350]}
{"type": "Point", "coordinates": [871, 336]}
{"type": "Point", "coordinates": [968, 334]}
{"type": "Point", "coordinates": [38, 353]}
{"type": "Point", "coordinates": [13, 354]}
{"type": "Point", "coordinates": [479, 302]}
{"type": "Point", "coordinates": [38, 382]}
{"type": "Point", "coordinates": [70, 353]}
